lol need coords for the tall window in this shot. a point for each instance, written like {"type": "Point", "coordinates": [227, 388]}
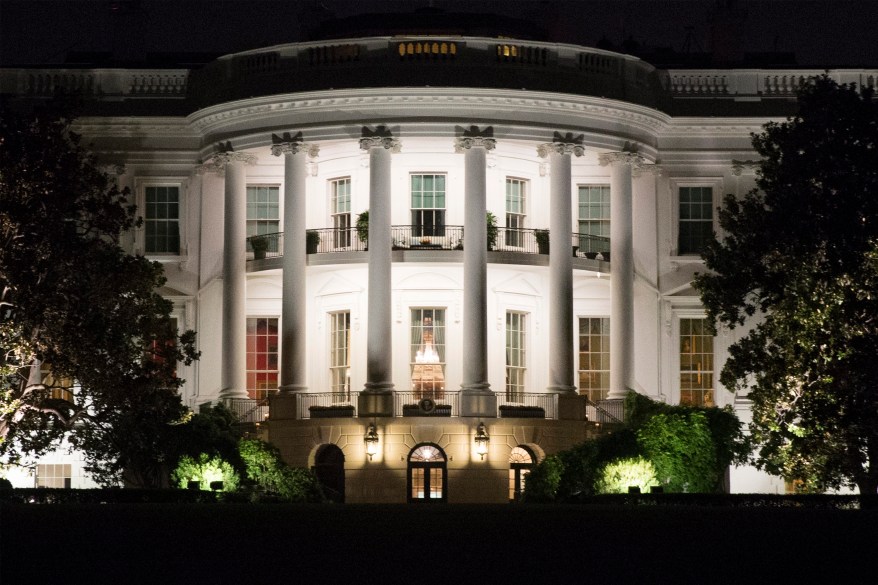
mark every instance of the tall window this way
{"type": "Point", "coordinates": [427, 474]}
{"type": "Point", "coordinates": [263, 212]}
{"type": "Point", "coordinates": [340, 205]}
{"type": "Point", "coordinates": [428, 353]}
{"type": "Point", "coordinates": [594, 357]}
{"type": "Point", "coordinates": [54, 475]}
{"type": "Point", "coordinates": [340, 355]}
{"type": "Point", "coordinates": [594, 217]}
{"type": "Point", "coordinates": [696, 219]}
{"type": "Point", "coordinates": [162, 220]}
{"type": "Point", "coordinates": [515, 211]}
{"type": "Point", "coordinates": [428, 205]}
{"type": "Point", "coordinates": [696, 363]}
{"type": "Point", "coordinates": [516, 356]}
{"type": "Point", "coordinates": [262, 356]}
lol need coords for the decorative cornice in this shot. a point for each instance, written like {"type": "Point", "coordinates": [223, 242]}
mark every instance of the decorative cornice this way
{"type": "Point", "coordinates": [738, 166]}
{"type": "Point", "coordinates": [218, 161]}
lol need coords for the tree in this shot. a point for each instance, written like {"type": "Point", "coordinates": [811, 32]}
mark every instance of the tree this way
{"type": "Point", "coordinates": [86, 345]}
{"type": "Point", "coordinates": [799, 264]}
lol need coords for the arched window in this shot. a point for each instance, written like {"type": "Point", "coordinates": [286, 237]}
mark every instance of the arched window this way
{"type": "Point", "coordinates": [521, 461]}
{"type": "Point", "coordinates": [329, 469]}
{"type": "Point", "coordinates": [427, 474]}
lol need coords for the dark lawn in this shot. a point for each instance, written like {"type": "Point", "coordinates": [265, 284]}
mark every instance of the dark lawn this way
{"type": "Point", "coordinates": [228, 543]}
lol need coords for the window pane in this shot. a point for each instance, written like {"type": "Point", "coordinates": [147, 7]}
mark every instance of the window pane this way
{"type": "Point", "coordinates": [594, 357]}
{"type": "Point", "coordinates": [696, 363]}
{"type": "Point", "coordinates": [427, 352]}
{"type": "Point", "coordinates": [262, 356]}
{"type": "Point", "coordinates": [161, 224]}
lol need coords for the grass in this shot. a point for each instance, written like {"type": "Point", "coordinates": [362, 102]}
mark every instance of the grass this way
{"type": "Point", "coordinates": [230, 543]}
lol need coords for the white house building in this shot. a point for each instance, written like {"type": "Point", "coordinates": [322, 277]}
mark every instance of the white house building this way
{"type": "Point", "coordinates": [432, 357]}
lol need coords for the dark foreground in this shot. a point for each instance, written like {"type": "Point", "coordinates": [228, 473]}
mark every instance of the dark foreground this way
{"type": "Point", "coordinates": [455, 544]}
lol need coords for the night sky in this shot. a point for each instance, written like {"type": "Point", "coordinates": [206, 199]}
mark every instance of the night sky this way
{"type": "Point", "coordinates": [827, 33]}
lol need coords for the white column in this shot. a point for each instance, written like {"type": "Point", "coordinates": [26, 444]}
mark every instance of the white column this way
{"type": "Point", "coordinates": [561, 362]}
{"type": "Point", "coordinates": [477, 399]}
{"type": "Point", "coordinates": [621, 272]}
{"type": "Point", "coordinates": [234, 369]}
{"type": "Point", "coordinates": [376, 399]}
{"type": "Point", "coordinates": [294, 356]}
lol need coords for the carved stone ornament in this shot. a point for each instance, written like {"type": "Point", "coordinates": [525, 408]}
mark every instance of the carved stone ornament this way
{"type": "Point", "coordinates": [388, 142]}
{"type": "Point", "coordinates": [738, 166]}
{"type": "Point", "coordinates": [623, 157]}
{"type": "Point", "coordinates": [218, 161]}
{"type": "Point", "coordinates": [544, 150]}
{"type": "Point", "coordinates": [295, 147]}
{"type": "Point", "coordinates": [467, 142]}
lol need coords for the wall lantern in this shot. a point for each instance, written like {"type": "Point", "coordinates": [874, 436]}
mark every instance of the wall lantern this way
{"type": "Point", "coordinates": [371, 440]}
{"type": "Point", "coordinates": [482, 440]}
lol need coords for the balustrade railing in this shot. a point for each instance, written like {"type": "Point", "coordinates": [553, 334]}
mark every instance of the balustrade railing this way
{"type": "Point", "coordinates": [606, 411]}
{"type": "Point", "coordinates": [422, 237]}
{"type": "Point", "coordinates": [438, 403]}
{"type": "Point", "coordinates": [589, 246]}
{"type": "Point", "coordinates": [248, 410]}
{"type": "Point", "coordinates": [326, 404]}
{"type": "Point", "coordinates": [266, 246]}
{"type": "Point", "coordinates": [517, 404]}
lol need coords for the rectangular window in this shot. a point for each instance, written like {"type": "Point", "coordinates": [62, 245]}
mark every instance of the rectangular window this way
{"type": "Point", "coordinates": [340, 206]}
{"type": "Point", "coordinates": [696, 219]}
{"type": "Point", "coordinates": [57, 387]}
{"type": "Point", "coordinates": [428, 205]}
{"type": "Point", "coordinates": [594, 218]}
{"type": "Point", "coordinates": [262, 356]}
{"type": "Point", "coordinates": [515, 211]}
{"type": "Point", "coordinates": [54, 475]}
{"type": "Point", "coordinates": [696, 363]}
{"type": "Point", "coordinates": [340, 355]}
{"type": "Point", "coordinates": [263, 213]}
{"type": "Point", "coordinates": [516, 355]}
{"type": "Point", "coordinates": [162, 220]}
{"type": "Point", "coordinates": [594, 357]}
{"type": "Point", "coordinates": [428, 353]}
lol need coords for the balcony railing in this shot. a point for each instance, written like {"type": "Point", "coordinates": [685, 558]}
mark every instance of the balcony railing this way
{"type": "Point", "coordinates": [248, 410]}
{"type": "Point", "coordinates": [413, 237]}
{"type": "Point", "coordinates": [326, 404]}
{"type": "Point", "coordinates": [527, 403]}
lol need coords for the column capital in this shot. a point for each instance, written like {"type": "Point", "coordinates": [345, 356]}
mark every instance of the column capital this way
{"type": "Point", "coordinates": [218, 161]}
{"type": "Point", "coordinates": [623, 157]}
{"type": "Point", "coordinates": [738, 166]}
{"type": "Point", "coordinates": [544, 150]}
{"type": "Point", "coordinates": [380, 137]}
{"type": "Point", "coordinates": [294, 147]}
{"type": "Point", "coordinates": [467, 142]}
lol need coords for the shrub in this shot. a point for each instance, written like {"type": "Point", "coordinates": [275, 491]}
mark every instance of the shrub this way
{"type": "Point", "coordinates": [618, 476]}
{"type": "Point", "coordinates": [541, 484]}
{"type": "Point", "coordinates": [681, 448]}
{"type": "Point", "coordinates": [267, 470]}
{"type": "Point", "coordinates": [205, 469]}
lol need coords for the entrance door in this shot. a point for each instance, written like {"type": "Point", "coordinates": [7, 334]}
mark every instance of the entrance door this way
{"type": "Point", "coordinates": [329, 469]}
{"type": "Point", "coordinates": [427, 474]}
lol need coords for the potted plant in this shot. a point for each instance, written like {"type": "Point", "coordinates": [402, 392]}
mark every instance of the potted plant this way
{"type": "Point", "coordinates": [542, 237]}
{"type": "Point", "coordinates": [312, 241]}
{"type": "Point", "coordinates": [260, 246]}
{"type": "Point", "coordinates": [491, 221]}
{"type": "Point", "coordinates": [363, 228]}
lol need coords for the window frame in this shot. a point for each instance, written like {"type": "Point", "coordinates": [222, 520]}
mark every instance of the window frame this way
{"type": "Point", "coordinates": [344, 396]}
{"type": "Point", "coordinates": [255, 394]}
{"type": "Point", "coordinates": [141, 184]}
{"type": "Point", "coordinates": [440, 346]}
{"type": "Point", "coordinates": [516, 395]}
{"type": "Point", "coordinates": [341, 234]}
{"type": "Point", "coordinates": [516, 238]}
{"type": "Point", "coordinates": [678, 355]}
{"type": "Point", "coordinates": [589, 392]}
{"type": "Point", "coordinates": [716, 184]}
{"type": "Point", "coordinates": [439, 214]}
{"type": "Point", "coordinates": [255, 221]}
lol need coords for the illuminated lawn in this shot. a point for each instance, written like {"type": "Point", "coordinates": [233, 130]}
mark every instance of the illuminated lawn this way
{"type": "Point", "coordinates": [199, 544]}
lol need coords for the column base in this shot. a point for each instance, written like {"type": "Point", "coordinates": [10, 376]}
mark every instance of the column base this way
{"type": "Point", "coordinates": [283, 407]}
{"type": "Point", "coordinates": [232, 394]}
{"type": "Point", "coordinates": [571, 407]}
{"type": "Point", "coordinates": [481, 404]}
{"type": "Point", "coordinates": [618, 394]}
{"type": "Point", "coordinates": [373, 403]}
{"type": "Point", "coordinates": [292, 388]}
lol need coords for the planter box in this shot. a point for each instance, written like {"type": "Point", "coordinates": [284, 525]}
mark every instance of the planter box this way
{"type": "Point", "coordinates": [522, 412]}
{"type": "Point", "coordinates": [415, 410]}
{"type": "Point", "coordinates": [343, 411]}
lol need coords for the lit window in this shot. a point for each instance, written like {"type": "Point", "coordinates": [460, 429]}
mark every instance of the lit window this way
{"type": "Point", "coordinates": [263, 213]}
{"type": "Point", "coordinates": [516, 355]}
{"type": "Point", "coordinates": [696, 219]}
{"type": "Point", "coordinates": [262, 356]}
{"type": "Point", "coordinates": [594, 357]}
{"type": "Point", "coordinates": [340, 204]}
{"type": "Point", "coordinates": [428, 205]}
{"type": "Point", "coordinates": [428, 353]}
{"type": "Point", "coordinates": [515, 211]}
{"type": "Point", "coordinates": [54, 475]}
{"type": "Point", "coordinates": [427, 471]}
{"type": "Point", "coordinates": [57, 387]}
{"type": "Point", "coordinates": [162, 220]}
{"type": "Point", "coordinates": [696, 363]}
{"type": "Point", "coordinates": [340, 355]}
{"type": "Point", "coordinates": [521, 461]}
{"type": "Point", "coordinates": [594, 218]}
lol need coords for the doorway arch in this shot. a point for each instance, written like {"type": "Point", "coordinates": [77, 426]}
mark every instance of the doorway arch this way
{"type": "Point", "coordinates": [329, 469]}
{"type": "Point", "coordinates": [521, 460]}
{"type": "Point", "coordinates": [427, 474]}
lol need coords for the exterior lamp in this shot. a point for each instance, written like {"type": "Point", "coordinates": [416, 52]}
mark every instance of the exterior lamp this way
{"type": "Point", "coordinates": [371, 440]}
{"type": "Point", "coordinates": [482, 440]}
